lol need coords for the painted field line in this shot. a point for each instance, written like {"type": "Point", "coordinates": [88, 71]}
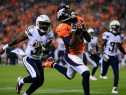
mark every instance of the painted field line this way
{"type": "Point", "coordinates": [50, 91]}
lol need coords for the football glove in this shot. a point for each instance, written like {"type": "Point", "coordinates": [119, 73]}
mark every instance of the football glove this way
{"type": "Point", "coordinates": [105, 57]}
{"type": "Point", "coordinates": [81, 26]}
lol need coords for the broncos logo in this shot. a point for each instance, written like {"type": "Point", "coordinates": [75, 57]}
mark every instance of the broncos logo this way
{"type": "Point", "coordinates": [60, 13]}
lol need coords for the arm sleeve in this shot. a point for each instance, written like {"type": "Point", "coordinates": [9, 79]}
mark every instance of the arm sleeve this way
{"type": "Point", "coordinates": [121, 48]}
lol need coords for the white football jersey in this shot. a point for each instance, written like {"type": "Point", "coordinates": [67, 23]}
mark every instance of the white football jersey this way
{"type": "Point", "coordinates": [92, 44]}
{"type": "Point", "coordinates": [60, 44]}
{"type": "Point", "coordinates": [111, 45]}
{"type": "Point", "coordinates": [34, 36]}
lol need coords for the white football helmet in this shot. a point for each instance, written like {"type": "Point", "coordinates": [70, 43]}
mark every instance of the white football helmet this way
{"type": "Point", "coordinates": [114, 26]}
{"type": "Point", "coordinates": [43, 23]}
{"type": "Point", "coordinates": [90, 30]}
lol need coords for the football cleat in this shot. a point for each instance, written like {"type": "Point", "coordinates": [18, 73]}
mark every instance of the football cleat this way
{"type": "Point", "coordinates": [19, 85]}
{"type": "Point", "coordinates": [49, 63]}
{"type": "Point", "coordinates": [114, 90]}
{"type": "Point", "coordinates": [92, 77]}
{"type": "Point", "coordinates": [103, 77]}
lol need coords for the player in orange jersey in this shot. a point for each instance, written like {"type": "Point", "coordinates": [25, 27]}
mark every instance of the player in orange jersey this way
{"type": "Point", "coordinates": [72, 30]}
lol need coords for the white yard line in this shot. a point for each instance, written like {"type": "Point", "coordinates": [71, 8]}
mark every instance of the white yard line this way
{"type": "Point", "coordinates": [50, 91]}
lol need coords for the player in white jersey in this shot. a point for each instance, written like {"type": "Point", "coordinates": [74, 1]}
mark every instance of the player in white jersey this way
{"type": "Point", "coordinates": [111, 41]}
{"type": "Point", "coordinates": [59, 52]}
{"type": "Point", "coordinates": [91, 52]}
{"type": "Point", "coordinates": [39, 40]}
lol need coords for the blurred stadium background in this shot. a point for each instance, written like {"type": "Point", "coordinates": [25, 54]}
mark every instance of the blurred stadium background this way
{"type": "Point", "coordinates": [16, 15]}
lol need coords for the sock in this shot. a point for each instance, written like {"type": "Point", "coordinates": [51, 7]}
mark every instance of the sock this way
{"type": "Point", "coordinates": [85, 82]}
{"type": "Point", "coordinates": [62, 70]}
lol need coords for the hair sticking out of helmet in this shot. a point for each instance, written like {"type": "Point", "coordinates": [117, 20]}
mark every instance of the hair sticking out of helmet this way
{"type": "Point", "coordinates": [43, 23]}
{"type": "Point", "coordinates": [114, 26]}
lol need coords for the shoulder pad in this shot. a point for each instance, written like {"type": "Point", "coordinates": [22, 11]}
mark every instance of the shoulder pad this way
{"type": "Point", "coordinates": [50, 35]}
{"type": "Point", "coordinates": [30, 29]}
{"type": "Point", "coordinates": [106, 33]}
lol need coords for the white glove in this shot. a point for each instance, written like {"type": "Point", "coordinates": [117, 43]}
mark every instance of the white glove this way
{"type": "Point", "coordinates": [105, 57]}
{"type": "Point", "coordinates": [100, 61]}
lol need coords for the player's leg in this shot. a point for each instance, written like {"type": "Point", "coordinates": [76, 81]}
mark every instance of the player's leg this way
{"type": "Point", "coordinates": [51, 63]}
{"type": "Point", "coordinates": [94, 61]}
{"type": "Point", "coordinates": [76, 63]}
{"type": "Point", "coordinates": [63, 60]}
{"type": "Point", "coordinates": [36, 74]}
{"type": "Point", "coordinates": [104, 68]}
{"type": "Point", "coordinates": [115, 67]}
{"type": "Point", "coordinates": [72, 61]}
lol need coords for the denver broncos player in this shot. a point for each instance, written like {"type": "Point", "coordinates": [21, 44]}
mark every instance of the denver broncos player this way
{"type": "Point", "coordinates": [72, 31]}
{"type": "Point", "coordinates": [91, 52]}
{"type": "Point", "coordinates": [111, 41]}
{"type": "Point", "coordinates": [39, 40]}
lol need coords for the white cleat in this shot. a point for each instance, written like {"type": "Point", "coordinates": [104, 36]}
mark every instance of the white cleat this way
{"type": "Point", "coordinates": [114, 91]}
{"type": "Point", "coordinates": [93, 78]}
{"type": "Point", "coordinates": [103, 77]}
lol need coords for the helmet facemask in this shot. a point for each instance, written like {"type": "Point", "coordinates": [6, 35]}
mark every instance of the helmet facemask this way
{"type": "Point", "coordinates": [114, 26]}
{"type": "Point", "coordinates": [43, 23]}
{"type": "Point", "coordinates": [43, 26]}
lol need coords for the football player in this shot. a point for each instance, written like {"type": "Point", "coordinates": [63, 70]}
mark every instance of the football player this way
{"type": "Point", "coordinates": [111, 41]}
{"type": "Point", "coordinates": [59, 52]}
{"type": "Point", "coordinates": [91, 52]}
{"type": "Point", "coordinates": [39, 39]}
{"type": "Point", "coordinates": [72, 31]}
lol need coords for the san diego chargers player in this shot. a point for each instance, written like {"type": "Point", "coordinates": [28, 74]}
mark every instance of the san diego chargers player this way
{"type": "Point", "coordinates": [91, 52]}
{"type": "Point", "coordinates": [111, 41]}
{"type": "Point", "coordinates": [59, 52]}
{"type": "Point", "coordinates": [39, 39]}
{"type": "Point", "coordinates": [72, 31]}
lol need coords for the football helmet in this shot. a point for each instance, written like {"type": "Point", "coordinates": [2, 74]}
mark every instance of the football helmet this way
{"type": "Point", "coordinates": [114, 26]}
{"type": "Point", "coordinates": [64, 13]}
{"type": "Point", "coordinates": [43, 23]}
{"type": "Point", "coordinates": [91, 31]}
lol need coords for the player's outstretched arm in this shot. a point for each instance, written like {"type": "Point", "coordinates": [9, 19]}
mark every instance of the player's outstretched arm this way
{"type": "Point", "coordinates": [102, 45]}
{"type": "Point", "coordinates": [13, 42]}
{"type": "Point", "coordinates": [87, 36]}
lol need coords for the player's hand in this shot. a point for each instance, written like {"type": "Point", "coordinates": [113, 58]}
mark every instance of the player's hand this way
{"type": "Point", "coordinates": [81, 26]}
{"type": "Point", "coordinates": [105, 57]}
{"type": "Point", "coordinates": [1, 51]}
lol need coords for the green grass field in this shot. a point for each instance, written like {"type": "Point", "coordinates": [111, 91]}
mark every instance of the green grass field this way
{"type": "Point", "coordinates": [56, 84]}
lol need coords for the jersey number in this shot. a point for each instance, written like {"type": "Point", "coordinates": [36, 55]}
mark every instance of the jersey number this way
{"type": "Point", "coordinates": [112, 44]}
{"type": "Point", "coordinates": [36, 51]}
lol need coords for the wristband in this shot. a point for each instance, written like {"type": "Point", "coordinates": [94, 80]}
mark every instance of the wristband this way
{"type": "Point", "coordinates": [5, 47]}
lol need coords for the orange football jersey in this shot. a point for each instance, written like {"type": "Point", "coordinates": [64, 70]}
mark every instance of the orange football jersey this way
{"type": "Point", "coordinates": [64, 31]}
